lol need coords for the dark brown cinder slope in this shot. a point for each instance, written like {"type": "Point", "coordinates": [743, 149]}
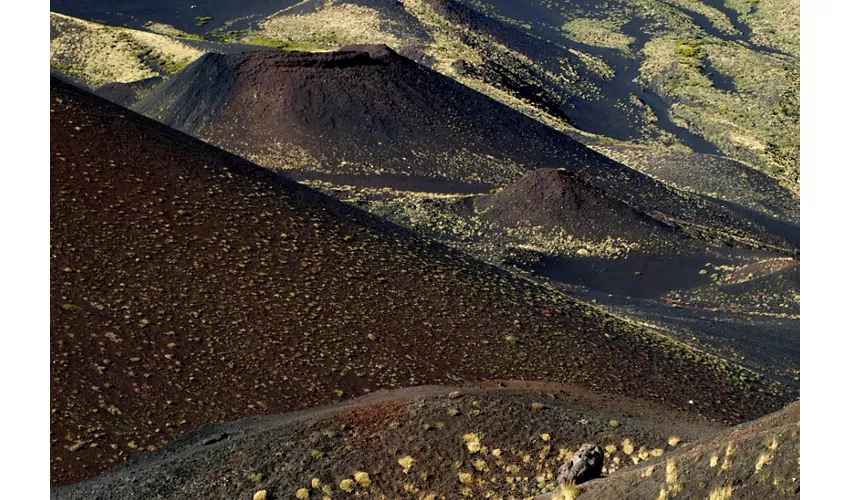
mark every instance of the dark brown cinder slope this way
{"type": "Point", "coordinates": [127, 93]}
{"type": "Point", "coordinates": [190, 286]}
{"type": "Point", "coordinates": [555, 199]}
{"type": "Point", "coordinates": [754, 461]}
{"type": "Point", "coordinates": [365, 114]}
{"type": "Point", "coordinates": [427, 423]}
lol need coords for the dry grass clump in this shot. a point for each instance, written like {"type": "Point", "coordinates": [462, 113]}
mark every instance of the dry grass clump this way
{"type": "Point", "coordinates": [721, 493]}
{"type": "Point", "coordinates": [347, 485]}
{"type": "Point", "coordinates": [731, 449]}
{"type": "Point", "coordinates": [568, 491]}
{"type": "Point", "coordinates": [672, 472]}
{"type": "Point", "coordinates": [406, 463]}
{"type": "Point", "coordinates": [362, 479]}
{"type": "Point", "coordinates": [472, 442]}
{"type": "Point", "coordinates": [763, 460]}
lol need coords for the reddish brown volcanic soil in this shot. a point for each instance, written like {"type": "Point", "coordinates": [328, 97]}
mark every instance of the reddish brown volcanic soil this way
{"type": "Point", "coordinates": [522, 432]}
{"type": "Point", "coordinates": [189, 286]}
{"type": "Point", "coordinates": [373, 432]}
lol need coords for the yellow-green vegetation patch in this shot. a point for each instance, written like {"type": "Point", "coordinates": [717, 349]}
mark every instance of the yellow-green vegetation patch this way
{"type": "Point", "coordinates": [98, 54]}
{"type": "Point", "coordinates": [448, 45]}
{"type": "Point", "coordinates": [758, 123]}
{"type": "Point", "coordinates": [171, 31]}
{"type": "Point", "coordinates": [332, 26]}
{"type": "Point", "coordinates": [560, 242]}
{"type": "Point", "coordinates": [595, 64]}
{"type": "Point", "coordinates": [718, 19]}
{"type": "Point", "coordinates": [279, 156]}
{"type": "Point", "coordinates": [452, 42]}
{"type": "Point", "coordinates": [775, 23]}
{"type": "Point", "coordinates": [721, 493]}
{"type": "Point", "coordinates": [599, 33]}
{"type": "Point", "coordinates": [265, 41]}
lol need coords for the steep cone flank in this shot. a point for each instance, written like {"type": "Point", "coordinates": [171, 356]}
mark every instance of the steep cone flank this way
{"type": "Point", "coordinates": [362, 110]}
{"type": "Point", "coordinates": [557, 199]}
{"type": "Point", "coordinates": [190, 286]}
{"type": "Point", "coordinates": [368, 111]}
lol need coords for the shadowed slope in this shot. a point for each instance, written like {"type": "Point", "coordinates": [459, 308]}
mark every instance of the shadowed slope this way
{"type": "Point", "coordinates": [712, 176]}
{"type": "Point", "coordinates": [184, 14]}
{"type": "Point", "coordinates": [127, 94]}
{"type": "Point", "coordinates": [360, 111]}
{"type": "Point", "coordinates": [769, 288]}
{"type": "Point", "coordinates": [189, 286]}
{"type": "Point", "coordinates": [366, 110]}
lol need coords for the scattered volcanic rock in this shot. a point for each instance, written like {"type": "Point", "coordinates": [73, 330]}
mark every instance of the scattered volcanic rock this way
{"type": "Point", "coordinates": [734, 464]}
{"type": "Point", "coordinates": [585, 465]}
{"type": "Point", "coordinates": [190, 286]}
{"type": "Point", "coordinates": [404, 418]}
{"type": "Point", "coordinates": [261, 451]}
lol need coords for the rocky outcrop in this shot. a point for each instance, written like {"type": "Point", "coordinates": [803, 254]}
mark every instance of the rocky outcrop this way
{"type": "Point", "coordinates": [585, 465]}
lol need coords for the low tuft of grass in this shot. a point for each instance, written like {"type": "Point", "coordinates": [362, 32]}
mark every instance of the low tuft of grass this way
{"type": "Point", "coordinates": [721, 493]}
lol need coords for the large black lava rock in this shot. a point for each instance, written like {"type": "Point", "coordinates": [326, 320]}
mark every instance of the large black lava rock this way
{"type": "Point", "coordinates": [585, 465]}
